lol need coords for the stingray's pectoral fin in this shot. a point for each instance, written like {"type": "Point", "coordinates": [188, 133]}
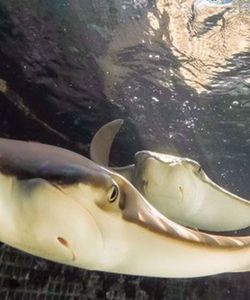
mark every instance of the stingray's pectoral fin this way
{"type": "Point", "coordinates": [102, 141]}
{"type": "Point", "coordinates": [225, 211]}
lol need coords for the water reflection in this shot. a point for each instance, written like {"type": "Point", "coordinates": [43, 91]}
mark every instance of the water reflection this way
{"type": "Point", "coordinates": [208, 39]}
{"type": "Point", "coordinates": [181, 69]}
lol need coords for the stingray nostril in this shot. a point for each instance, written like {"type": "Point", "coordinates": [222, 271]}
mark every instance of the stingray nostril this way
{"type": "Point", "coordinates": [182, 192]}
{"type": "Point", "coordinates": [63, 241]}
{"type": "Point", "coordinates": [66, 244]}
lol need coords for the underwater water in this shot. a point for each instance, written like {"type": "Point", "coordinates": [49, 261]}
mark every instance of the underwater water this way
{"type": "Point", "coordinates": [177, 72]}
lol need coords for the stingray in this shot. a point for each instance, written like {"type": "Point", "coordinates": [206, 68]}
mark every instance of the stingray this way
{"type": "Point", "coordinates": [176, 186]}
{"type": "Point", "coordinates": [59, 205]}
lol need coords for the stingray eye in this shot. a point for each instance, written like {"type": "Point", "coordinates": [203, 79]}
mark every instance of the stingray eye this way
{"type": "Point", "coordinates": [199, 169]}
{"type": "Point", "coordinates": [113, 193]}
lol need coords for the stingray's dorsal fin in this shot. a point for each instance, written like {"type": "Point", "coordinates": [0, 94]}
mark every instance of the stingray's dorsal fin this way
{"type": "Point", "coordinates": [101, 143]}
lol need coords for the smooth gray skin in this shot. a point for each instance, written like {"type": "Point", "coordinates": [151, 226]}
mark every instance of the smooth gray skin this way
{"type": "Point", "coordinates": [177, 187]}
{"type": "Point", "coordinates": [59, 205]}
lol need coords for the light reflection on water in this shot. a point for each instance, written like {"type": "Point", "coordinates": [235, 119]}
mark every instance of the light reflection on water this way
{"type": "Point", "coordinates": [208, 39]}
{"type": "Point", "coordinates": [182, 69]}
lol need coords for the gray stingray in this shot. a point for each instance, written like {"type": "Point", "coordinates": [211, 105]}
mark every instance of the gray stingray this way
{"type": "Point", "coordinates": [176, 186]}
{"type": "Point", "coordinates": [59, 205]}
